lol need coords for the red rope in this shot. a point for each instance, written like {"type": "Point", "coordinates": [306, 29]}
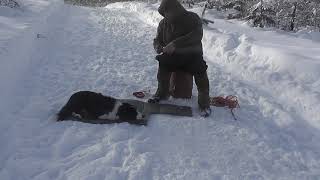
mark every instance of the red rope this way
{"type": "Point", "coordinates": [139, 94]}
{"type": "Point", "coordinates": [230, 102]}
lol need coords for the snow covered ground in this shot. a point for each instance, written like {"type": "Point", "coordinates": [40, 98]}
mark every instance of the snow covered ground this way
{"type": "Point", "coordinates": [48, 50]}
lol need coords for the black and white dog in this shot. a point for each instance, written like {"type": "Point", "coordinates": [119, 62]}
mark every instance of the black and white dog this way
{"type": "Point", "coordinates": [91, 107]}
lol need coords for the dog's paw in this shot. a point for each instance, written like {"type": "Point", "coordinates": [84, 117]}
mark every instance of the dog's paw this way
{"type": "Point", "coordinates": [140, 116]}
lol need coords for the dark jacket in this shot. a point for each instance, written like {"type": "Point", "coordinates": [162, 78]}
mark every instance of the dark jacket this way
{"type": "Point", "coordinates": [184, 29]}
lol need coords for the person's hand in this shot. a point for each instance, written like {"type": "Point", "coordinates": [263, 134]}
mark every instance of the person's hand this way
{"type": "Point", "coordinates": [159, 49]}
{"type": "Point", "coordinates": [169, 49]}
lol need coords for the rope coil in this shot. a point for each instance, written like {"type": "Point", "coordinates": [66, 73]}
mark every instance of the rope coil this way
{"type": "Point", "coordinates": [230, 102]}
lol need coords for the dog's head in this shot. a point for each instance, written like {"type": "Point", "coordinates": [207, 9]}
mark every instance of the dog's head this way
{"type": "Point", "coordinates": [127, 111]}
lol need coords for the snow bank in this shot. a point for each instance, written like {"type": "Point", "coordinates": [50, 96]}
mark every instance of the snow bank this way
{"type": "Point", "coordinates": [147, 12]}
{"type": "Point", "coordinates": [17, 19]}
{"type": "Point", "coordinates": [287, 65]}
{"type": "Point", "coordinates": [308, 34]}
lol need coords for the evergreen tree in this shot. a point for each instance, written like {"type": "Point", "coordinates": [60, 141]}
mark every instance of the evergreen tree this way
{"type": "Point", "coordinates": [284, 14]}
{"type": "Point", "coordinates": [9, 3]}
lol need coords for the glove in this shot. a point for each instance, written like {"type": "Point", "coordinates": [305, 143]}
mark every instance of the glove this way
{"type": "Point", "coordinates": [169, 49]}
{"type": "Point", "coordinates": [159, 49]}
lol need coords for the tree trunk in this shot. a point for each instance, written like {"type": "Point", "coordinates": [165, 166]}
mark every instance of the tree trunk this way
{"type": "Point", "coordinates": [261, 14]}
{"type": "Point", "coordinates": [293, 17]}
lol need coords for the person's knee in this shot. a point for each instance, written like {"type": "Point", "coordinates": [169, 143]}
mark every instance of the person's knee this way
{"type": "Point", "coordinates": [201, 78]}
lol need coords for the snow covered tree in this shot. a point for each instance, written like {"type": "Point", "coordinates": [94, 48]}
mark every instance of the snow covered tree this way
{"type": "Point", "coordinates": [262, 14]}
{"type": "Point", "coordinates": [190, 3]}
{"type": "Point", "coordinates": [316, 16]}
{"type": "Point", "coordinates": [291, 15]}
{"type": "Point", "coordinates": [210, 4]}
{"type": "Point", "coordinates": [9, 3]}
{"type": "Point", "coordinates": [307, 14]}
{"type": "Point", "coordinates": [288, 15]}
{"type": "Point", "coordinates": [238, 7]}
{"type": "Point", "coordinates": [283, 11]}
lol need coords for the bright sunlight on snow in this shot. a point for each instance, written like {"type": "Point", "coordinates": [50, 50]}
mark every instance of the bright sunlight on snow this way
{"type": "Point", "coordinates": [49, 50]}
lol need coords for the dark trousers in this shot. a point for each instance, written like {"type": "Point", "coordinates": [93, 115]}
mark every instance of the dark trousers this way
{"type": "Point", "coordinates": [193, 64]}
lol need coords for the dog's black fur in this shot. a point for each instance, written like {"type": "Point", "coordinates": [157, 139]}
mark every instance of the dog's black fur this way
{"type": "Point", "coordinates": [89, 106]}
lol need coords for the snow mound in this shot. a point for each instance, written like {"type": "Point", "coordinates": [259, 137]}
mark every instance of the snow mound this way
{"type": "Point", "coordinates": [147, 12]}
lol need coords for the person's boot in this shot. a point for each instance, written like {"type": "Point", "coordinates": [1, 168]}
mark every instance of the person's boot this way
{"type": "Point", "coordinates": [202, 83]}
{"type": "Point", "coordinates": [162, 92]}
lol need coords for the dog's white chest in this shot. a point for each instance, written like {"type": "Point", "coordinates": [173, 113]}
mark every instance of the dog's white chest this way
{"type": "Point", "coordinates": [113, 114]}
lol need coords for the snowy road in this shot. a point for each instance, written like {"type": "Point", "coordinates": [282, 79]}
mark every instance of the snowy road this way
{"type": "Point", "coordinates": [109, 50]}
